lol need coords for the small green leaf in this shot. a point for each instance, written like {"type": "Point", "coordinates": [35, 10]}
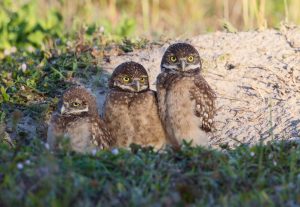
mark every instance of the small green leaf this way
{"type": "Point", "coordinates": [36, 37]}
{"type": "Point", "coordinates": [75, 66]}
{"type": "Point", "coordinates": [4, 94]}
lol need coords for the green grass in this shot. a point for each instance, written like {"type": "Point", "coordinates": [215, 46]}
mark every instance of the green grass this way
{"type": "Point", "coordinates": [249, 176]}
{"type": "Point", "coordinates": [28, 24]}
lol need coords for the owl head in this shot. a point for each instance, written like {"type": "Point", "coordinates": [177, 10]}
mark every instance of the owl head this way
{"type": "Point", "coordinates": [181, 57]}
{"type": "Point", "coordinates": [131, 77]}
{"type": "Point", "coordinates": [77, 101]}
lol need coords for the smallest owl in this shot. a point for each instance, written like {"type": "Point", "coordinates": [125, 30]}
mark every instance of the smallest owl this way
{"type": "Point", "coordinates": [77, 119]}
{"type": "Point", "coordinates": [131, 111]}
{"type": "Point", "coordinates": [186, 101]}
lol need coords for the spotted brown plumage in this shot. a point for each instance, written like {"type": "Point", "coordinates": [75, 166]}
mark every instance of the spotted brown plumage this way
{"type": "Point", "coordinates": [77, 119]}
{"type": "Point", "coordinates": [130, 109]}
{"type": "Point", "coordinates": [186, 101]}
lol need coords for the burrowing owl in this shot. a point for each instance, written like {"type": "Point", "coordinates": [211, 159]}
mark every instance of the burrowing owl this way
{"type": "Point", "coordinates": [77, 119]}
{"type": "Point", "coordinates": [186, 102]}
{"type": "Point", "coordinates": [131, 111]}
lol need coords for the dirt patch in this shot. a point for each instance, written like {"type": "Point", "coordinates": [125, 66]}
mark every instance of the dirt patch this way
{"type": "Point", "coordinates": [256, 76]}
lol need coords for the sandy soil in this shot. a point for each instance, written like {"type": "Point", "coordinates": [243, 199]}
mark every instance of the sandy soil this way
{"type": "Point", "coordinates": [256, 76]}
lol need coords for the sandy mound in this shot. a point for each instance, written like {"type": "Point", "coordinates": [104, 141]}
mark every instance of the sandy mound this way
{"type": "Point", "coordinates": [255, 75]}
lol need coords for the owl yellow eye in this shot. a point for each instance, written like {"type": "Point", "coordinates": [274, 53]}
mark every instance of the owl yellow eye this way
{"type": "Point", "coordinates": [142, 79]}
{"type": "Point", "coordinates": [126, 79]}
{"type": "Point", "coordinates": [173, 58]}
{"type": "Point", "coordinates": [190, 58]}
{"type": "Point", "coordinates": [76, 104]}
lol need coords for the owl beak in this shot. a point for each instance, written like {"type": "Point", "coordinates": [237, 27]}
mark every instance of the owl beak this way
{"type": "Point", "coordinates": [62, 109]}
{"type": "Point", "coordinates": [136, 85]}
{"type": "Point", "coordinates": [182, 65]}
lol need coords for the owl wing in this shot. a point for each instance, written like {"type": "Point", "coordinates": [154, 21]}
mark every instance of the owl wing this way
{"type": "Point", "coordinates": [205, 98]}
{"type": "Point", "coordinates": [101, 136]}
{"type": "Point", "coordinates": [155, 95]}
{"type": "Point", "coordinates": [163, 82]}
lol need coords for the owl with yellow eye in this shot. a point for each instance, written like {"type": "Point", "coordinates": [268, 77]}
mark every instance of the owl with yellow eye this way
{"type": "Point", "coordinates": [76, 120]}
{"type": "Point", "coordinates": [186, 101]}
{"type": "Point", "coordinates": [130, 109]}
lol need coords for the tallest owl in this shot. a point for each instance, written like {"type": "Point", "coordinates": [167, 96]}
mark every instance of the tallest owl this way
{"type": "Point", "coordinates": [186, 101]}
